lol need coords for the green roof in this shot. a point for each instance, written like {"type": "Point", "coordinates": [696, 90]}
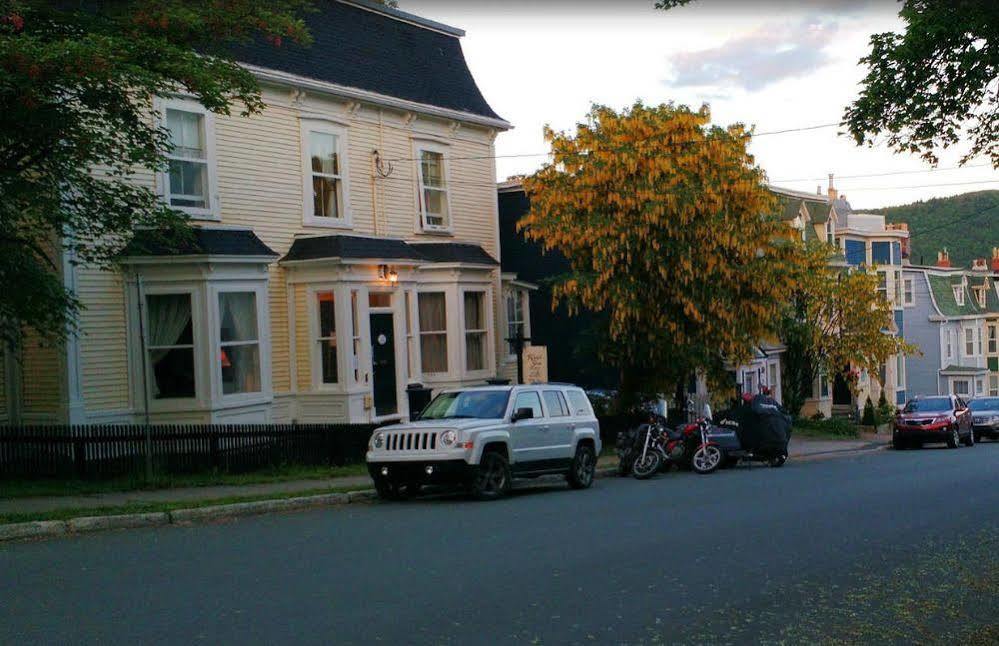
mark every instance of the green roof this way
{"type": "Point", "coordinates": [788, 208]}
{"type": "Point", "coordinates": [943, 293]}
{"type": "Point", "coordinates": [818, 210]}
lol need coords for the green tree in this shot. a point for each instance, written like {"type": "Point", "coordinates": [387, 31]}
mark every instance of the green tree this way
{"type": "Point", "coordinates": [933, 85]}
{"type": "Point", "coordinates": [660, 218]}
{"type": "Point", "coordinates": [77, 83]}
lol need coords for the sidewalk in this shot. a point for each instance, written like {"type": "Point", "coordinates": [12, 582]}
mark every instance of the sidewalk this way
{"type": "Point", "coordinates": [799, 448]}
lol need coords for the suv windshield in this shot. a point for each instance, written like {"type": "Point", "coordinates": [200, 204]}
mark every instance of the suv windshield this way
{"type": "Point", "coordinates": [477, 404]}
{"type": "Point", "coordinates": [934, 405]}
{"type": "Point", "coordinates": [992, 403]}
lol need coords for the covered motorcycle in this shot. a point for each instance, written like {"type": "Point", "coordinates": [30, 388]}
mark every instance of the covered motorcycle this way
{"type": "Point", "coordinates": [756, 430]}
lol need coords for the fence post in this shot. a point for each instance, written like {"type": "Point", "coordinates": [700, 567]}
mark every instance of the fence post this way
{"type": "Point", "coordinates": [149, 452]}
{"type": "Point", "coordinates": [213, 447]}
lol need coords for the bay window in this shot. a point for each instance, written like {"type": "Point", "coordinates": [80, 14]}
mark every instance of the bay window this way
{"type": "Point", "coordinates": [433, 190]}
{"type": "Point", "coordinates": [326, 338]}
{"type": "Point", "coordinates": [475, 331]}
{"type": "Point", "coordinates": [969, 342]}
{"type": "Point", "coordinates": [323, 147]}
{"type": "Point", "coordinates": [992, 339]}
{"type": "Point", "coordinates": [239, 343]}
{"type": "Point", "coordinates": [433, 332]}
{"type": "Point", "coordinates": [170, 348]}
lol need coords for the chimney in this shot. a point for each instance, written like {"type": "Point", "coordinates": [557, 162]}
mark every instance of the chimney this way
{"type": "Point", "coordinates": [818, 189]}
{"type": "Point", "coordinates": [979, 264]}
{"type": "Point", "coordinates": [995, 259]}
{"type": "Point", "coordinates": [833, 194]}
{"type": "Point", "coordinates": [943, 258]}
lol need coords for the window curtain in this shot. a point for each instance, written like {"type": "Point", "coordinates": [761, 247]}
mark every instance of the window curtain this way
{"type": "Point", "coordinates": [433, 318]}
{"type": "Point", "coordinates": [239, 316]}
{"type": "Point", "coordinates": [240, 360]}
{"type": "Point", "coordinates": [168, 315]}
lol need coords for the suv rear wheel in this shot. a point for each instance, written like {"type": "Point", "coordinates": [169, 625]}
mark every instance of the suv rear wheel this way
{"type": "Point", "coordinates": [954, 440]}
{"type": "Point", "coordinates": [492, 480]}
{"type": "Point", "coordinates": [970, 439]}
{"type": "Point", "coordinates": [584, 466]}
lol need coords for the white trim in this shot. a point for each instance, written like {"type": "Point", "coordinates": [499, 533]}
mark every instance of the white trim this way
{"type": "Point", "coordinates": [260, 290]}
{"type": "Point", "coordinates": [285, 78]}
{"type": "Point", "coordinates": [315, 360]}
{"type": "Point", "coordinates": [211, 212]}
{"type": "Point", "coordinates": [419, 147]}
{"type": "Point", "coordinates": [908, 302]}
{"type": "Point", "coordinates": [340, 132]}
{"type": "Point", "coordinates": [419, 332]}
{"type": "Point", "coordinates": [487, 344]}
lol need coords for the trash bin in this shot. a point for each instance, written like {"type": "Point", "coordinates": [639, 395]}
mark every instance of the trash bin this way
{"type": "Point", "coordinates": [418, 396]}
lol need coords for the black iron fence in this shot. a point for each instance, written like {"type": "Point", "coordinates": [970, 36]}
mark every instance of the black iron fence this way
{"type": "Point", "coordinates": [113, 451]}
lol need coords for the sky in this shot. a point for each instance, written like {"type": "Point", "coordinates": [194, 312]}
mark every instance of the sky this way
{"type": "Point", "coordinates": [770, 64]}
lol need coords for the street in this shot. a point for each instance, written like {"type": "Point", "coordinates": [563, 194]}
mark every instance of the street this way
{"type": "Point", "coordinates": [816, 550]}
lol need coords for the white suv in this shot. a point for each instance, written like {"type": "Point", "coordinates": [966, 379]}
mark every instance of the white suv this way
{"type": "Point", "coordinates": [486, 436]}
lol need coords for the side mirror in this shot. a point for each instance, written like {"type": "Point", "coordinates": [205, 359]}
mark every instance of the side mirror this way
{"type": "Point", "coordinates": [522, 413]}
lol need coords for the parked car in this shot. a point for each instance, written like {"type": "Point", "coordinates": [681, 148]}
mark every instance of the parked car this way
{"type": "Point", "coordinates": [944, 418]}
{"type": "Point", "coordinates": [985, 417]}
{"type": "Point", "coordinates": [483, 437]}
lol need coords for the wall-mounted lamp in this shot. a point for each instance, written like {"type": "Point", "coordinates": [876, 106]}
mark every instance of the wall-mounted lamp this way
{"type": "Point", "coordinates": [387, 273]}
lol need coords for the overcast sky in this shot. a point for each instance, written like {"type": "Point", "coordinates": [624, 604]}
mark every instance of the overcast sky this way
{"type": "Point", "coordinates": [775, 65]}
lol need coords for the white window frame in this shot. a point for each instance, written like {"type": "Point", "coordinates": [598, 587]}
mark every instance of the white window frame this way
{"type": "Point", "coordinates": [969, 342]}
{"type": "Point", "coordinates": [309, 218]}
{"type": "Point", "coordinates": [948, 343]}
{"type": "Point", "coordinates": [979, 385]}
{"type": "Point", "coordinates": [356, 345]}
{"type": "Point", "coordinates": [953, 386]}
{"type": "Point", "coordinates": [314, 330]}
{"type": "Point", "coordinates": [263, 341]}
{"type": "Point", "coordinates": [211, 212]}
{"type": "Point", "coordinates": [419, 146]}
{"type": "Point", "coordinates": [197, 331]}
{"type": "Point", "coordinates": [980, 296]}
{"type": "Point", "coordinates": [993, 385]}
{"type": "Point", "coordinates": [830, 231]}
{"type": "Point", "coordinates": [521, 295]}
{"type": "Point", "coordinates": [959, 294]}
{"type": "Point", "coordinates": [486, 318]}
{"type": "Point", "coordinates": [421, 332]}
{"type": "Point", "coordinates": [908, 292]}
{"type": "Point", "coordinates": [993, 338]}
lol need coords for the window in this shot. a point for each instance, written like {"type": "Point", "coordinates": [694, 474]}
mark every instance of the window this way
{"type": "Point", "coordinates": [969, 342]}
{"type": "Point", "coordinates": [992, 339]}
{"type": "Point", "coordinates": [960, 387]}
{"type": "Point", "coordinates": [239, 351]}
{"type": "Point", "coordinates": [326, 338]}
{"type": "Point", "coordinates": [187, 181]}
{"type": "Point", "coordinates": [823, 386]}
{"type": "Point", "coordinates": [959, 295]}
{"type": "Point", "coordinates": [978, 339]}
{"type": "Point", "coordinates": [325, 189]}
{"type": "Point", "coordinates": [433, 197]}
{"type": "Point", "coordinates": [170, 346]}
{"type": "Point", "coordinates": [433, 332]}
{"type": "Point", "coordinates": [883, 284]}
{"type": "Point", "coordinates": [475, 331]}
{"type": "Point", "coordinates": [379, 299]}
{"type": "Point", "coordinates": [514, 319]}
{"type": "Point", "coordinates": [980, 386]}
{"type": "Point", "coordinates": [994, 386]}
{"type": "Point", "coordinates": [555, 403]}
{"type": "Point", "coordinates": [772, 378]}
{"type": "Point", "coordinates": [980, 295]}
{"type": "Point", "coordinates": [881, 253]}
{"type": "Point", "coordinates": [410, 366]}
{"type": "Point", "coordinates": [900, 371]}
{"type": "Point", "coordinates": [749, 382]}
{"type": "Point", "coordinates": [948, 344]}
{"type": "Point", "coordinates": [897, 300]}
{"type": "Point", "coordinates": [830, 235]}
{"type": "Point", "coordinates": [355, 333]}
{"type": "Point", "coordinates": [530, 400]}
{"type": "Point", "coordinates": [855, 252]}
{"type": "Point", "coordinates": [908, 292]}
{"type": "Point", "coordinates": [580, 403]}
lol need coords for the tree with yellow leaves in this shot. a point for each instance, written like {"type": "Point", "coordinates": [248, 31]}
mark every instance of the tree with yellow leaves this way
{"type": "Point", "coordinates": [836, 323]}
{"type": "Point", "coordinates": [664, 220]}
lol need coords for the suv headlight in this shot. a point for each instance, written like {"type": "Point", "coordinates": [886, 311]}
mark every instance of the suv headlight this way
{"type": "Point", "coordinates": [378, 440]}
{"type": "Point", "coordinates": [448, 438]}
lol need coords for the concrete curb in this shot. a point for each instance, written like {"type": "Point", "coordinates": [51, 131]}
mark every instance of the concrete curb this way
{"type": "Point", "coordinates": [87, 524]}
{"type": "Point", "coordinates": [841, 453]}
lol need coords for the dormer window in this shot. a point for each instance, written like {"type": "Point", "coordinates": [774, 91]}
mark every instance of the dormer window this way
{"type": "Point", "coordinates": [980, 295]}
{"type": "Point", "coordinates": [434, 199]}
{"type": "Point", "coordinates": [830, 232]}
{"type": "Point", "coordinates": [959, 295]}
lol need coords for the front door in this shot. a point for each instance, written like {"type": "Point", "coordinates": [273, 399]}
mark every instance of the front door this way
{"type": "Point", "coordinates": [383, 364]}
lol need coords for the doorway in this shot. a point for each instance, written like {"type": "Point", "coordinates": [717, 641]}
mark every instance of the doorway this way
{"type": "Point", "coordinates": [383, 364]}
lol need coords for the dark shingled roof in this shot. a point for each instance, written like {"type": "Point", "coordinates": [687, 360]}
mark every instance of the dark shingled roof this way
{"type": "Point", "coordinates": [454, 252]}
{"type": "Point", "coordinates": [354, 247]}
{"type": "Point", "coordinates": [201, 242]}
{"type": "Point", "coordinates": [361, 248]}
{"type": "Point", "coordinates": [369, 50]}
{"type": "Point", "coordinates": [818, 210]}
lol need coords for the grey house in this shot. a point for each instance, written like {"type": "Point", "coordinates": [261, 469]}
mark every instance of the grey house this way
{"type": "Point", "coordinates": [946, 315]}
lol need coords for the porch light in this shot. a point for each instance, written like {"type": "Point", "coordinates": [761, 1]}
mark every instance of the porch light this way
{"type": "Point", "coordinates": [393, 276]}
{"type": "Point", "coordinates": [387, 273]}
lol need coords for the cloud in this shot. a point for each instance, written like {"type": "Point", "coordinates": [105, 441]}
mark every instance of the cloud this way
{"type": "Point", "coordinates": [752, 61]}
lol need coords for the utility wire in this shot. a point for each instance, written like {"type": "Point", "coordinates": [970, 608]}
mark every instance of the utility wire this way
{"type": "Point", "coordinates": [747, 135]}
{"type": "Point", "coordinates": [900, 172]}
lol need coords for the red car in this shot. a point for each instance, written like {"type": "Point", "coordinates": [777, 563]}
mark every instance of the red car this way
{"type": "Point", "coordinates": [933, 419]}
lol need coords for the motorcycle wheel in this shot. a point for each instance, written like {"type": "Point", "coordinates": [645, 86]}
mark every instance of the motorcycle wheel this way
{"type": "Point", "coordinates": [778, 461]}
{"type": "Point", "coordinates": [707, 459]}
{"type": "Point", "coordinates": [645, 467]}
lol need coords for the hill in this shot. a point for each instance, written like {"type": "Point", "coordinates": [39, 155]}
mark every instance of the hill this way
{"type": "Point", "coordinates": [956, 222]}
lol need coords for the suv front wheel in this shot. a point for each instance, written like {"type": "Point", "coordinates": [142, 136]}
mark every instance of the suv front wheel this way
{"type": "Point", "coordinates": [584, 466]}
{"type": "Point", "coordinates": [492, 479]}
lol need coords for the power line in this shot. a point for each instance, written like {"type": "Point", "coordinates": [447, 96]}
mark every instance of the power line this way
{"type": "Point", "coordinates": [900, 172]}
{"type": "Point", "coordinates": [889, 188]}
{"type": "Point", "coordinates": [748, 135]}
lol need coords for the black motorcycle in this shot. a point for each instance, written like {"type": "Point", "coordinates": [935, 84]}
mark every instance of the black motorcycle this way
{"type": "Point", "coordinates": [743, 434]}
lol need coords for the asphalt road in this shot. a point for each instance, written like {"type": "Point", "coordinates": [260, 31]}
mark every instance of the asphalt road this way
{"type": "Point", "coordinates": [816, 549]}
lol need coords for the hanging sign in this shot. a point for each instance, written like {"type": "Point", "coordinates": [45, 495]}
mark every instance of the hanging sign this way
{"type": "Point", "coordinates": [535, 364]}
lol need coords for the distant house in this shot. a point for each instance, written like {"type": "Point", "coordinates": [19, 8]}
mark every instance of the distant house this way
{"type": "Point", "coordinates": [952, 315]}
{"type": "Point", "coordinates": [345, 247]}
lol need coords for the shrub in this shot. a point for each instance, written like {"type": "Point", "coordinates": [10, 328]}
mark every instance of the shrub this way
{"type": "Point", "coordinates": [869, 418]}
{"type": "Point", "coordinates": [835, 426]}
{"type": "Point", "coordinates": [885, 410]}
